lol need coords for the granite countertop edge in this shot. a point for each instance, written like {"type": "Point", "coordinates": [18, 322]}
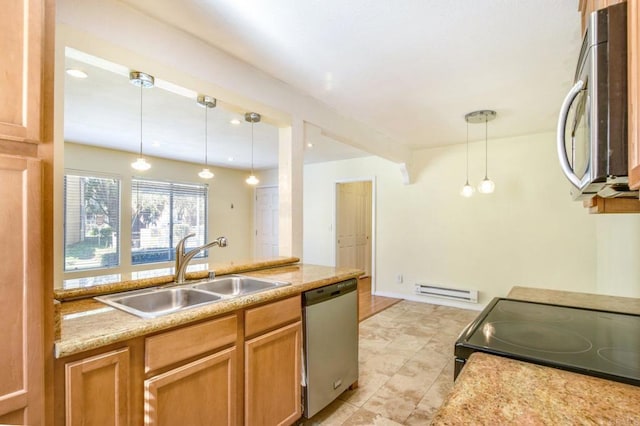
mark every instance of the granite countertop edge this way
{"type": "Point", "coordinates": [495, 390]}
{"type": "Point", "coordinates": [81, 330]}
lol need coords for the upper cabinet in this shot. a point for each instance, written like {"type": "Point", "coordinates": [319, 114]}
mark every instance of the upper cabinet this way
{"type": "Point", "coordinates": [21, 57]}
{"type": "Point", "coordinates": [633, 68]}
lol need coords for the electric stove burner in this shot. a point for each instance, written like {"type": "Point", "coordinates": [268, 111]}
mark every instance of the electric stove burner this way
{"type": "Point", "coordinates": [588, 341]}
{"type": "Point", "coordinates": [537, 337]}
{"type": "Point", "coordinates": [621, 357]}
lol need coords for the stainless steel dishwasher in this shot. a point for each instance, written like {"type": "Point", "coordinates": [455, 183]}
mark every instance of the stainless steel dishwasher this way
{"type": "Point", "coordinates": [330, 343]}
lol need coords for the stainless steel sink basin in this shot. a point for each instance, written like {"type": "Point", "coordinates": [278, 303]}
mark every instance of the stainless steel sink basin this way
{"type": "Point", "coordinates": [151, 303]}
{"type": "Point", "coordinates": [238, 285]}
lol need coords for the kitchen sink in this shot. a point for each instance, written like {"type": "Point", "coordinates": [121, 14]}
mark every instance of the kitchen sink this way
{"type": "Point", "coordinates": [238, 285]}
{"type": "Point", "coordinates": [159, 301]}
{"type": "Point", "coordinates": [152, 303]}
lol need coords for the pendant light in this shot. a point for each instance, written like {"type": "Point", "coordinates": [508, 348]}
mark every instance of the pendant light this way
{"type": "Point", "coordinates": [206, 102]}
{"type": "Point", "coordinates": [143, 81]}
{"type": "Point", "coordinates": [467, 190]}
{"type": "Point", "coordinates": [484, 116]}
{"type": "Point", "coordinates": [252, 117]}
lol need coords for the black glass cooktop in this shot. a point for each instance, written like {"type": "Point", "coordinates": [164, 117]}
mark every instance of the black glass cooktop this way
{"type": "Point", "coordinates": [598, 343]}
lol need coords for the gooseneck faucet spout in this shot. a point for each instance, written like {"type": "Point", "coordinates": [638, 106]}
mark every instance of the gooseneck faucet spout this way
{"type": "Point", "coordinates": [183, 259]}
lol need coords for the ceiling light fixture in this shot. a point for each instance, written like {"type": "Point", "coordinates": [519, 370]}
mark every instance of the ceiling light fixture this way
{"type": "Point", "coordinates": [467, 189]}
{"type": "Point", "coordinates": [235, 122]}
{"type": "Point", "coordinates": [484, 116]}
{"type": "Point", "coordinates": [143, 81]}
{"type": "Point", "coordinates": [74, 72]}
{"type": "Point", "coordinates": [252, 117]}
{"type": "Point", "coordinates": [206, 102]}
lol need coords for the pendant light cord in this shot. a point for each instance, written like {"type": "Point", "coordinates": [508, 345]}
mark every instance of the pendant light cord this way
{"type": "Point", "coordinates": [140, 120]}
{"type": "Point", "coordinates": [252, 146]}
{"type": "Point", "coordinates": [486, 156]}
{"type": "Point", "coordinates": [206, 158]}
{"type": "Point", "coordinates": [467, 151]}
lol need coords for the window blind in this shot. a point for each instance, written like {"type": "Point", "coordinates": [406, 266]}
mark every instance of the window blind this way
{"type": "Point", "coordinates": [162, 214]}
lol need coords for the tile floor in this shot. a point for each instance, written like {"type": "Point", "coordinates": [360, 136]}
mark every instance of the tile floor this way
{"type": "Point", "coordinates": [406, 367]}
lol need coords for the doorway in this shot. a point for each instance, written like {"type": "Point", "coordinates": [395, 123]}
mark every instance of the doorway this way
{"type": "Point", "coordinates": [266, 220]}
{"type": "Point", "coordinates": [354, 225]}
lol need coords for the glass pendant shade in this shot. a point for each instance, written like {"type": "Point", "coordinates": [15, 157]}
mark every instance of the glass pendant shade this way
{"type": "Point", "coordinates": [467, 190]}
{"type": "Point", "coordinates": [206, 174]}
{"type": "Point", "coordinates": [141, 164]}
{"type": "Point", "coordinates": [486, 186]}
{"type": "Point", "coordinates": [252, 180]}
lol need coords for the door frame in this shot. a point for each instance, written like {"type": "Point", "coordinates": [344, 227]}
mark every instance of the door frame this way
{"type": "Point", "coordinates": [254, 233]}
{"type": "Point", "coordinates": [371, 179]}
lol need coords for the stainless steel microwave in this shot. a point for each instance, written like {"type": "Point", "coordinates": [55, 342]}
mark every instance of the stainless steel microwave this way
{"type": "Point", "coordinates": [592, 127]}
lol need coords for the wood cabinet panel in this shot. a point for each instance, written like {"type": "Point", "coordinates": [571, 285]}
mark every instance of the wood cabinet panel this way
{"type": "Point", "coordinates": [178, 345]}
{"type": "Point", "coordinates": [268, 317]}
{"type": "Point", "coordinates": [21, 292]}
{"type": "Point", "coordinates": [633, 70]}
{"type": "Point", "coordinates": [97, 390]}
{"type": "Point", "coordinates": [272, 377]}
{"type": "Point", "coordinates": [200, 393]}
{"type": "Point", "coordinates": [21, 51]}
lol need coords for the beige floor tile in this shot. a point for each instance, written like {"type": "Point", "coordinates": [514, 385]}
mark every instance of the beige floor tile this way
{"type": "Point", "coordinates": [335, 413]}
{"type": "Point", "coordinates": [369, 383]}
{"type": "Point", "coordinates": [364, 417]}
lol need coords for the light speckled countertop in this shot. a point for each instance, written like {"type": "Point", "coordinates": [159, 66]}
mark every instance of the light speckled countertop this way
{"type": "Point", "coordinates": [497, 390]}
{"type": "Point", "coordinates": [88, 324]}
{"type": "Point", "coordinates": [629, 305]}
{"type": "Point", "coordinates": [493, 390]}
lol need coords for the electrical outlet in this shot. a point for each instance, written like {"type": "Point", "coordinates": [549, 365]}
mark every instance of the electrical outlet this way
{"type": "Point", "coordinates": [399, 279]}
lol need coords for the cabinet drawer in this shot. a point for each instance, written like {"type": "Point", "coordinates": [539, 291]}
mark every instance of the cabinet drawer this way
{"type": "Point", "coordinates": [263, 318]}
{"type": "Point", "coordinates": [177, 345]}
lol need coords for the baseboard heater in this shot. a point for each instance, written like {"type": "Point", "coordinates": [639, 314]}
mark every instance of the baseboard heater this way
{"type": "Point", "coordinates": [447, 293]}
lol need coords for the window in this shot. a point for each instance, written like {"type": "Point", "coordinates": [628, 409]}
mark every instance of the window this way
{"type": "Point", "coordinates": [91, 222]}
{"type": "Point", "coordinates": [162, 213]}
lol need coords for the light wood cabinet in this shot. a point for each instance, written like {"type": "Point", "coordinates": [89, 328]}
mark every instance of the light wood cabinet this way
{"type": "Point", "coordinates": [273, 364]}
{"type": "Point", "coordinates": [21, 77]}
{"type": "Point", "coordinates": [633, 87]}
{"type": "Point", "coordinates": [21, 292]}
{"type": "Point", "coordinates": [97, 390]}
{"type": "Point", "coordinates": [202, 392]}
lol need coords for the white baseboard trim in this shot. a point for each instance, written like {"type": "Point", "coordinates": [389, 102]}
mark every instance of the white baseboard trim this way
{"type": "Point", "coordinates": [433, 300]}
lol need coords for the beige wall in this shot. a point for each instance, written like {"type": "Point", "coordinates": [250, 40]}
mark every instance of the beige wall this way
{"type": "Point", "coordinates": [230, 210]}
{"type": "Point", "coordinates": [528, 232]}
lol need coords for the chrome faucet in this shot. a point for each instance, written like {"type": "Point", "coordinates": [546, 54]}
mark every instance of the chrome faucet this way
{"type": "Point", "coordinates": [183, 259]}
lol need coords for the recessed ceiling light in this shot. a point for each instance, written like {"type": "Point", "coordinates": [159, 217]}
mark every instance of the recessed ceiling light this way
{"type": "Point", "coordinates": [235, 121]}
{"type": "Point", "coordinates": [77, 73]}
{"type": "Point", "coordinates": [309, 145]}
{"type": "Point", "coordinates": [230, 159]}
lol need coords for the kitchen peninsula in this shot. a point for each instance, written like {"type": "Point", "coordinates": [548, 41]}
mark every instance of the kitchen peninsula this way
{"type": "Point", "coordinates": [165, 367]}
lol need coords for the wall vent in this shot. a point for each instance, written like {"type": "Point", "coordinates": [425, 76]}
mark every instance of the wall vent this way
{"type": "Point", "coordinates": [447, 293]}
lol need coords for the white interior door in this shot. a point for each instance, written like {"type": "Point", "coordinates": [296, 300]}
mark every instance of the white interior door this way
{"type": "Point", "coordinates": [354, 225]}
{"type": "Point", "coordinates": [266, 242]}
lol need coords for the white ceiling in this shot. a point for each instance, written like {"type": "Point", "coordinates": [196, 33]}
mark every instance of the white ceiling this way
{"type": "Point", "coordinates": [411, 68]}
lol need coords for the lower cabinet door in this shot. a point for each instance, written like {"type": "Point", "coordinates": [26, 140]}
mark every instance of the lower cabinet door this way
{"type": "Point", "coordinates": [202, 392]}
{"type": "Point", "coordinates": [97, 390]}
{"type": "Point", "coordinates": [272, 377]}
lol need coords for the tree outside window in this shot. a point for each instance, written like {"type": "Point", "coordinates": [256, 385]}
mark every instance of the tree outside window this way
{"type": "Point", "coordinates": [92, 222]}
